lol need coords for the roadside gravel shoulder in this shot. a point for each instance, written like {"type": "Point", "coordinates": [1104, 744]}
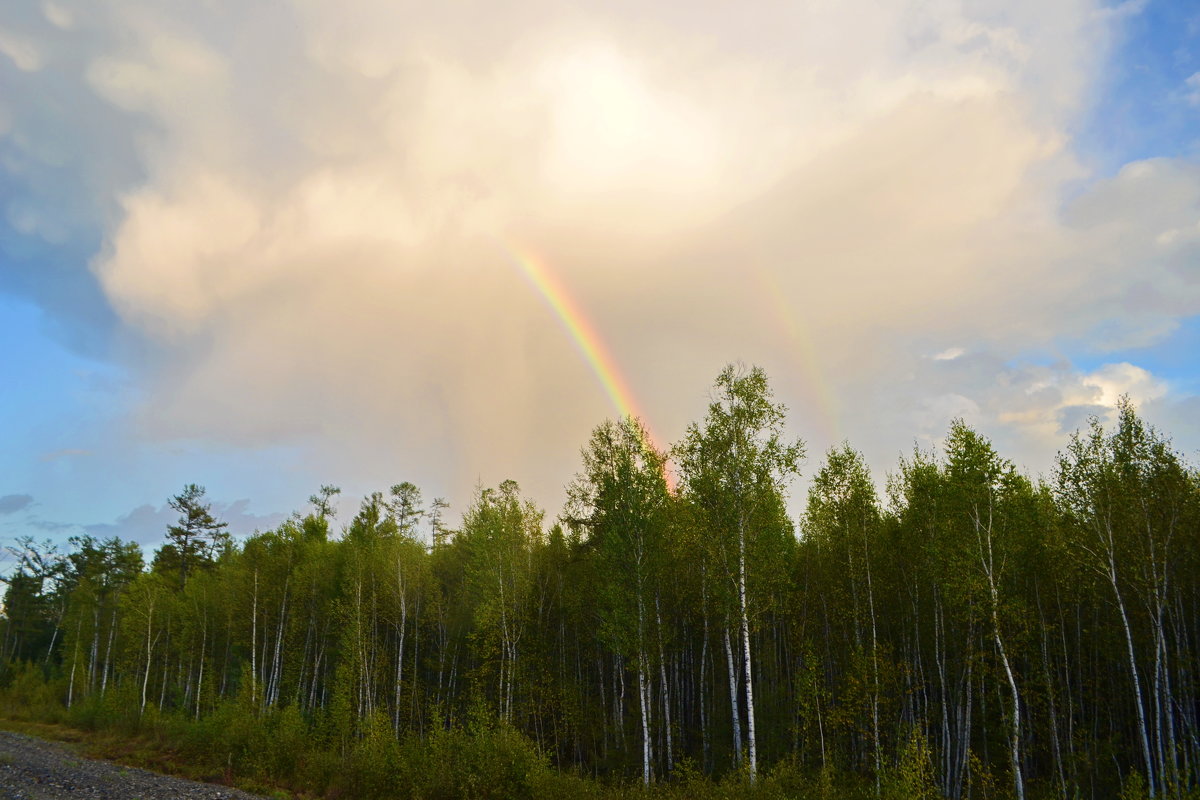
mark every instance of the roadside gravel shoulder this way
{"type": "Point", "coordinates": [35, 769]}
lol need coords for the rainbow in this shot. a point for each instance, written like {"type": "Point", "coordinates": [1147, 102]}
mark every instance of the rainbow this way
{"type": "Point", "coordinates": [821, 397]}
{"type": "Point", "coordinates": [583, 333]}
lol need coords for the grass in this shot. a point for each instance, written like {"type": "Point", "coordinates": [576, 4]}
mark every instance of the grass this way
{"type": "Point", "coordinates": [486, 761]}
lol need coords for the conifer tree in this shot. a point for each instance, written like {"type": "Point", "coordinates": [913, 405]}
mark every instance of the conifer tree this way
{"type": "Point", "coordinates": [198, 536]}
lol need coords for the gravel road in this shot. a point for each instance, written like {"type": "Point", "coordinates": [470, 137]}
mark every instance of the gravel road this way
{"type": "Point", "coordinates": [33, 769]}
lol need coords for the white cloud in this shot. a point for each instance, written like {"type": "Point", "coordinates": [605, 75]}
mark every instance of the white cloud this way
{"type": "Point", "coordinates": [1027, 410]}
{"type": "Point", "coordinates": [316, 248]}
{"type": "Point", "coordinates": [23, 52]}
{"type": "Point", "coordinates": [58, 16]}
{"type": "Point", "coordinates": [1127, 8]}
{"type": "Point", "coordinates": [938, 412]}
{"type": "Point", "coordinates": [1116, 380]}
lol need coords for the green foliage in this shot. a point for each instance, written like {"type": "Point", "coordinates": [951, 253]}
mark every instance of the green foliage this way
{"type": "Point", "coordinates": [912, 778]}
{"type": "Point", "coordinates": [373, 769]}
{"type": "Point", "coordinates": [196, 539]}
{"type": "Point", "coordinates": [492, 761]}
{"type": "Point", "coordinates": [114, 709]}
{"type": "Point", "coordinates": [28, 695]}
{"type": "Point", "coordinates": [1134, 787]}
{"type": "Point", "coordinates": [621, 651]}
{"type": "Point", "coordinates": [619, 502]}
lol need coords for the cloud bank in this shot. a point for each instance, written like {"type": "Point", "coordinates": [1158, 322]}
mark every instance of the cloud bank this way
{"type": "Point", "coordinates": [306, 216]}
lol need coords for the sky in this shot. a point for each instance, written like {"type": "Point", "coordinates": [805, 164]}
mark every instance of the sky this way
{"type": "Point", "coordinates": [264, 247]}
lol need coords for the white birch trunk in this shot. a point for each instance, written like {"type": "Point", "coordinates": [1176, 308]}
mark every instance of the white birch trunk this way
{"type": "Point", "coordinates": [643, 691]}
{"type": "Point", "coordinates": [1133, 671]}
{"type": "Point", "coordinates": [874, 666]}
{"type": "Point", "coordinates": [149, 647]}
{"type": "Point", "coordinates": [74, 662]}
{"type": "Point", "coordinates": [734, 690]}
{"type": "Point", "coordinates": [95, 652]}
{"type": "Point", "coordinates": [277, 657]}
{"type": "Point", "coordinates": [112, 628]}
{"type": "Point", "coordinates": [750, 737]}
{"type": "Point", "coordinates": [254, 643]}
{"type": "Point", "coordinates": [644, 704]}
{"type": "Point", "coordinates": [983, 534]}
{"type": "Point", "coordinates": [666, 694]}
{"type": "Point", "coordinates": [400, 655]}
{"type": "Point", "coordinates": [200, 677]}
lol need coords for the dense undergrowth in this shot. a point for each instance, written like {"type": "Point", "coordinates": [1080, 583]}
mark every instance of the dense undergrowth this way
{"type": "Point", "coordinates": [286, 753]}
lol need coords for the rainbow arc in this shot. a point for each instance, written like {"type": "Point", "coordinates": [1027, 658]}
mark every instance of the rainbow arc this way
{"type": "Point", "coordinates": [585, 336]}
{"type": "Point", "coordinates": [599, 357]}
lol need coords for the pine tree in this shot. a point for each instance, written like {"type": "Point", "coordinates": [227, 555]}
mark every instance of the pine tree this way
{"type": "Point", "coordinates": [198, 536]}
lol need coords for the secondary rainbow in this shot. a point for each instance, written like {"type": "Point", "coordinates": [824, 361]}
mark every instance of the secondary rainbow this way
{"type": "Point", "coordinates": [809, 361]}
{"type": "Point", "coordinates": [582, 332]}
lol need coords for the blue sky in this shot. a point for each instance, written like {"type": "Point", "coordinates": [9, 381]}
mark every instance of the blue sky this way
{"type": "Point", "coordinates": [1142, 107]}
{"type": "Point", "coordinates": [262, 252]}
{"type": "Point", "coordinates": [1145, 108]}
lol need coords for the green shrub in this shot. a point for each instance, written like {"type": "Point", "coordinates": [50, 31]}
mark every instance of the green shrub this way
{"type": "Point", "coordinates": [912, 778]}
{"type": "Point", "coordinates": [1134, 787]}
{"type": "Point", "coordinates": [288, 743]}
{"type": "Point", "coordinates": [488, 761]}
{"type": "Point", "coordinates": [374, 770]}
{"type": "Point", "coordinates": [30, 696]}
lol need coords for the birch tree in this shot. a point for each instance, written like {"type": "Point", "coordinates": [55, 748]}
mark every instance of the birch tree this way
{"type": "Point", "coordinates": [842, 519]}
{"type": "Point", "coordinates": [735, 466]}
{"type": "Point", "coordinates": [620, 499]}
{"type": "Point", "coordinates": [1129, 498]}
{"type": "Point", "coordinates": [499, 531]}
{"type": "Point", "coordinates": [979, 484]}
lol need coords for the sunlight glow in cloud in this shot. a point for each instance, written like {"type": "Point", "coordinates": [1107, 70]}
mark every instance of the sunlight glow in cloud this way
{"type": "Point", "coordinates": [296, 207]}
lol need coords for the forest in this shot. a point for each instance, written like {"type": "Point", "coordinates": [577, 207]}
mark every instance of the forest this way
{"type": "Point", "coordinates": [967, 632]}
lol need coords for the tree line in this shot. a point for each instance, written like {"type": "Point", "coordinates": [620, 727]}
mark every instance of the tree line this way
{"type": "Point", "coordinates": [974, 633]}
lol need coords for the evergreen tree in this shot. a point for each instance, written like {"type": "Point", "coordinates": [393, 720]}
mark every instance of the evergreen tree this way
{"type": "Point", "coordinates": [198, 536]}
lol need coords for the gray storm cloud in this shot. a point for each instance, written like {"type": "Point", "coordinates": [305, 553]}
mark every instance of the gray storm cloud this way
{"type": "Point", "coordinates": [12, 503]}
{"type": "Point", "coordinates": [316, 243]}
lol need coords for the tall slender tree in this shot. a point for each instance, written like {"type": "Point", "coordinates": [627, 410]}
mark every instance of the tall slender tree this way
{"type": "Point", "coordinates": [620, 500]}
{"type": "Point", "coordinates": [735, 467]}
